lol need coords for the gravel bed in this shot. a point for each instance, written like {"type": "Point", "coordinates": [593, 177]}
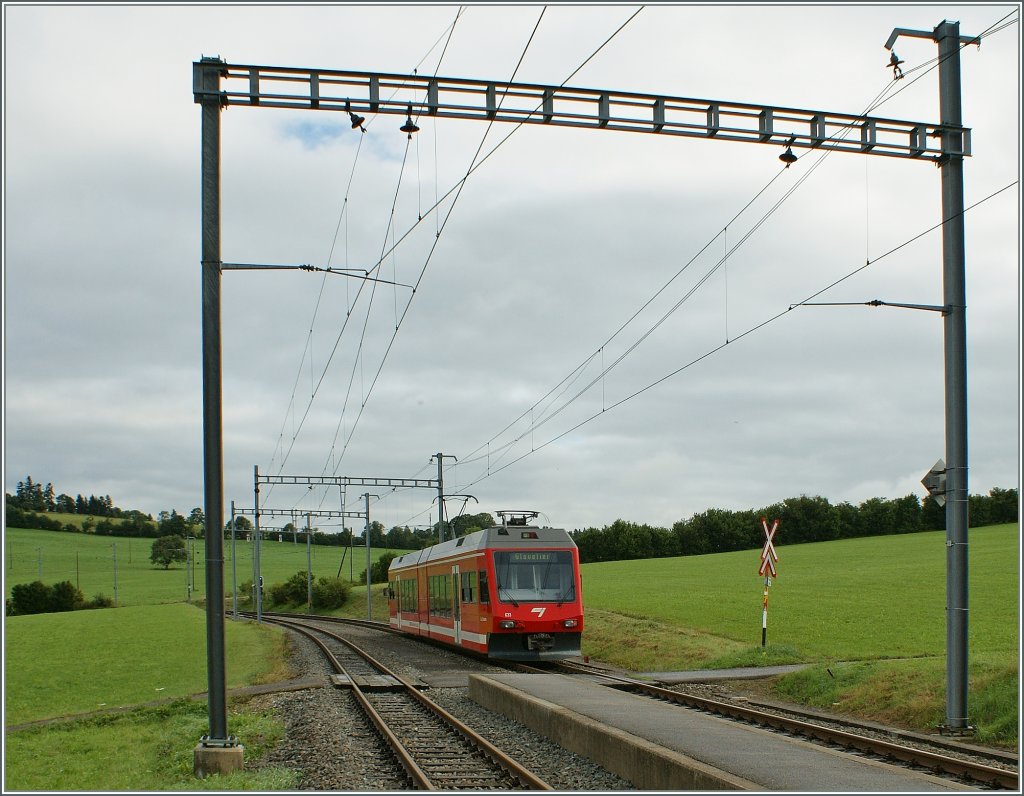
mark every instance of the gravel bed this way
{"type": "Point", "coordinates": [332, 745]}
{"type": "Point", "coordinates": [561, 769]}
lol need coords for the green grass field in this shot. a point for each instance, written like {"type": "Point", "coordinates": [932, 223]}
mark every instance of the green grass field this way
{"type": "Point", "coordinates": [147, 749]}
{"type": "Point", "coordinates": [871, 610]}
{"type": "Point", "coordinates": [124, 656]}
{"type": "Point", "coordinates": [877, 597]}
{"type": "Point", "coordinates": [88, 562]}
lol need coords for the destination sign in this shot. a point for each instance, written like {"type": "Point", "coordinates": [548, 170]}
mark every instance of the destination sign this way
{"type": "Point", "coordinates": [550, 555]}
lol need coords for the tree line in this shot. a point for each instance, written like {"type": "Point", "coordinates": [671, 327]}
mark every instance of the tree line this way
{"type": "Point", "coordinates": [32, 496]}
{"type": "Point", "coordinates": [132, 523]}
{"type": "Point", "coordinates": [802, 519]}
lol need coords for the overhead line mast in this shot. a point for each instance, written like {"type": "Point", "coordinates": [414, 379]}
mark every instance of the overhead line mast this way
{"type": "Point", "coordinates": [217, 84]}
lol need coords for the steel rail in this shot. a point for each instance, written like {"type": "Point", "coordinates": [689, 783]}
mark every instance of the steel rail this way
{"type": "Point", "coordinates": [932, 760]}
{"type": "Point", "coordinates": [508, 764]}
{"type": "Point", "coordinates": [416, 774]}
{"type": "Point", "coordinates": [371, 624]}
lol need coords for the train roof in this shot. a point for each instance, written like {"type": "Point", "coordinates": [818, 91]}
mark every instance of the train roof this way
{"type": "Point", "coordinates": [498, 537]}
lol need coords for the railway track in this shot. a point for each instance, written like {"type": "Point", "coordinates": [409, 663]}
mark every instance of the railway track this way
{"type": "Point", "coordinates": [937, 761]}
{"type": "Point", "coordinates": [435, 749]}
{"type": "Point", "coordinates": [985, 767]}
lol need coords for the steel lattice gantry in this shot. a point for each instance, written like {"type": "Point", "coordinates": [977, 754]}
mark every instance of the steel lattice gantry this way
{"type": "Point", "coordinates": [329, 513]}
{"type": "Point", "coordinates": [527, 103]}
{"type": "Point", "coordinates": [346, 480]}
{"type": "Point", "coordinates": [217, 84]}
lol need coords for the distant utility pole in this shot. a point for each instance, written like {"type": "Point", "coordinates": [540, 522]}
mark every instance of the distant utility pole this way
{"type": "Point", "coordinates": [217, 85]}
{"type": "Point", "coordinates": [257, 578]}
{"type": "Point", "coordinates": [309, 566]}
{"type": "Point", "coordinates": [234, 566]}
{"type": "Point", "coordinates": [369, 606]}
{"type": "Point", "coordinates": [440, 493]}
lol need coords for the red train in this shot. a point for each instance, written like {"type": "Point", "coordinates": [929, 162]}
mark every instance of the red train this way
{"type": "Point", "coordinates": [511, 592]}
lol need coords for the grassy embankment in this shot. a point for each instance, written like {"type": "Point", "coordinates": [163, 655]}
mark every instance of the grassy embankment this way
{"type": "Point", "coordinates": [118, 659]}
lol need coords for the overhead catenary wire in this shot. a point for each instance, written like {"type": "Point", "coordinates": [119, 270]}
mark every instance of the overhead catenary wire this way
{"type": "Point", "coordinates": [577, 372]}
{"type": "Point", "coordinates": [516, 127]}
{"type": "Point", "coordinates": [461, 183]}
{"type": "Point", "coordinates": [878, 100]}
{"type": "Point", "coordinates": [750, 331]}
{"type": "Point", "coordinates": [457, 190]}
{"type": "Point", "coordinates": [405, 310]}
{"type": "Point", "coordinates": [316, 309]}
{"type": "Point", "coordinates": [574, 375]}
{"type": "Point", "coordinates": [349, 304]}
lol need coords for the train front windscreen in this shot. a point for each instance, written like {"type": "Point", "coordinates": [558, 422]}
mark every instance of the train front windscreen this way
{"type": "Point", "coordinates": [535, 576]}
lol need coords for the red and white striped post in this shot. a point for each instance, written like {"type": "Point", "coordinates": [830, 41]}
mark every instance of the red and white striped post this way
{"type": "Point", "coordinates": [767, 569]}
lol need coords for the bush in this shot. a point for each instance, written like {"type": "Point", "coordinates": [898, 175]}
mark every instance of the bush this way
{"type": "Point", "coordinates": [29, 598]}
{"type": "Point", "coordinates": [292, 592]}
{"type": "Point", "coordinates": [65, 597]}
{"type": "Point", "coordinates": [99, 601]}
{"type": "Point", "coordinates": [330, 593]}
{"type": "Point", "coordinates": [38, 598]}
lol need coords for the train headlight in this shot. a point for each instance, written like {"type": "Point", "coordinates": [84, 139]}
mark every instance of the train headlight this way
{"type": "Point", "coordinates": [570, 623]}
{"type": "Point", "coordinates": [508, 624]}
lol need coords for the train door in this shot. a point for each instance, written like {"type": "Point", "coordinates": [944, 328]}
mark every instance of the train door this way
{"type": "Point", "coordinates": [456, 604]}
{"type": "Point", "coordinates": [398, 600]}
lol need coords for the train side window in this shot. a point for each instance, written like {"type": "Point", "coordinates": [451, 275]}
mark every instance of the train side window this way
{"type": "Point", "coordinates": [485, 593]}
{"type": "Point", "coordinates": [468, 587]}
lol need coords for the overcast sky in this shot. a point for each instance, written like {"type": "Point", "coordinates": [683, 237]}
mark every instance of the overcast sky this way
{"type": "Point", "coordinates": [554, 243]}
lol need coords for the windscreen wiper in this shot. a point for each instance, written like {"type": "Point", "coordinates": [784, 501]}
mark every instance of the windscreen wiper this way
{"type": "Point", "coordinates": [510, 597]}
{"type": "Point", "coordinates": [566, 595]}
